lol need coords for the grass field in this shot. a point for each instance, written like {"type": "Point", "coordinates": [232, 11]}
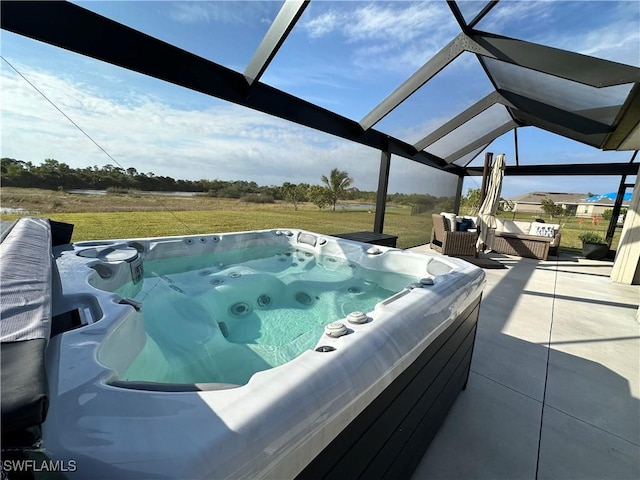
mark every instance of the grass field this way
{"type": "Point", "coordinates": [140, 215]}
{"type": "Point", "coordinates": [137, 215]}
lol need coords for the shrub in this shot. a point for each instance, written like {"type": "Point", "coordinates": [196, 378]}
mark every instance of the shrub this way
{"type": "Point", "coordinates": [607, 214]}
{"type": "Point", "coordinates": [470, 203]}
{"type": "Point", "coordinates": [318, 195]}
{"type": "Point", "coordinates": [550, 208]}
{"type": "Point", "coordinates": [294, 193]}
{"type": "Point", "coordinates": [590, 237]}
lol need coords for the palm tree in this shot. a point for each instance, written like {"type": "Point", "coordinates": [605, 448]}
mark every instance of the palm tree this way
{"type": "Point", "coordinates": [337, 183]}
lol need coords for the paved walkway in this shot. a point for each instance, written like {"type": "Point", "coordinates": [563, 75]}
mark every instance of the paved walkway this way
{"type": "Point", "coordinates": [554, 390]}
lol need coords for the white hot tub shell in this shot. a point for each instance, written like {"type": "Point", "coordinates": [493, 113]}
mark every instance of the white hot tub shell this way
{"type": "Point", "coordinates": [285, 420]}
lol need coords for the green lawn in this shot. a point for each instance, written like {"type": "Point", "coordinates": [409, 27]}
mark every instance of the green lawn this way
{"type": "Point", "coordinates": [411, 230]}
{"type": "Point", "coordinates": [129, 216]}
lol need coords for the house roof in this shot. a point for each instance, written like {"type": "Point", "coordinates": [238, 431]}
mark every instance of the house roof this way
{"type": "Point", "coordinates": [557, 197]}
{"type": "Point", "coordinates": [535, 198]}
{"type": "Point", "coordinates": [605, 202]}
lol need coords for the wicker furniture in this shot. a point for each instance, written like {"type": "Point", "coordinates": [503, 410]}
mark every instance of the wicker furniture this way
{"type": "Point", "coordinates": [522, 247]}
{"type": "Point", "coordinates": [450, 242]}
{"type": "Point", "coordinates": [514, 238]}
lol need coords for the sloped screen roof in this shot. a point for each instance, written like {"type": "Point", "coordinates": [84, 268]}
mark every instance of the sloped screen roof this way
{"type": "Point", "coordinates": [591, 100]}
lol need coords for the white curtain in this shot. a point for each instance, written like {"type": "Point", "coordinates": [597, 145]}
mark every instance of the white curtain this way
{"type": "Point", "coordinates": [487, 214]}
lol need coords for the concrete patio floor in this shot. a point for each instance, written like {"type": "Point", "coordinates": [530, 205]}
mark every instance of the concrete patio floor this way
{"type": "Point", "coordinates": [554, 388]}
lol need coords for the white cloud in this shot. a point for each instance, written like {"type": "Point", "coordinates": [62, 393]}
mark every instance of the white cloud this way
{"type": "Point", "coordinates": [512, 11]}
{"type": "Point", "coordinates": [616, 42]}
{"type": "Point", "coordinates": [221, 140]}
{"type": "Point", "coordinates": [606, 30]}
{"type": "Point", "coordinates": [224, 12]}
{"type": "Point", "coordinates": [391, 23]}
{"type": "Point", "coordinates": [397, 25]}
{"type": "Point", "coordinates": [322, 24]}
{"type": "Point", "coordinates": [387, 36]}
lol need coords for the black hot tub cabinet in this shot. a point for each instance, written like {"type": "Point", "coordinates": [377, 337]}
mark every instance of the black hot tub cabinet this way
{"type": "Point", "coordinates": [390, 437]}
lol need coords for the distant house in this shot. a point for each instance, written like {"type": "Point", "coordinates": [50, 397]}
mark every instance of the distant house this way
{"type": "Point", "coordinates": [532, 202]}
{"type": "Point", "coordinates": [588, 209]}
{"type": "Point", "coordinates": [573, 203]}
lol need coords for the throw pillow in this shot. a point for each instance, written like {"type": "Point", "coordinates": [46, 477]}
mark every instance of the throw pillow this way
{"type": "Point", "coordinates": [470, 220]}
{"type": "Point", "coordinates": [465, 224]}
{"type": "Point", "coordinates": [543, 229]}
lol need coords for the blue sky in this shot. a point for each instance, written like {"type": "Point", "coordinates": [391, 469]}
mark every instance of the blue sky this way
{"type": "Point", "coordinates": [346, 56]}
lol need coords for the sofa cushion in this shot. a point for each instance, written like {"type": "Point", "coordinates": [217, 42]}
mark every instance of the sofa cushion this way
{"type": "Point", "coordinates": [522, 227]}
{"type": "Point", "coordinates": [509, 226]}
{"type": "Point", "coordinates": [450, 220]}
{"type": "Point", "coordinates": [544, 229]}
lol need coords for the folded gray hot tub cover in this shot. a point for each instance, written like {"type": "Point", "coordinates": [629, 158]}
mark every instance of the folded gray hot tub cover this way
{"type": "Point", "coordinates": [25, 322]}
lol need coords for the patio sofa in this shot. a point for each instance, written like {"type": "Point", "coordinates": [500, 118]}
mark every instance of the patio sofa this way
{"type": "Point", "coordinates": [526, 239]}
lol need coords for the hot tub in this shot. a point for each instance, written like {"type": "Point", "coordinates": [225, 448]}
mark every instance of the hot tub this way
{"type": "Point", "coordinates": [165, 363]}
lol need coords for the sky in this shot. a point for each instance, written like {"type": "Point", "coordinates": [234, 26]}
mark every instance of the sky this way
{"type": "Point", "coordinates": [346, 56]}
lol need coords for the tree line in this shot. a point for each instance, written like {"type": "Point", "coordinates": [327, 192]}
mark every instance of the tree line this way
{"type": "Point", "coordinates": [338, 185]}
{"type": "Point", "coordinates": [54, 175]}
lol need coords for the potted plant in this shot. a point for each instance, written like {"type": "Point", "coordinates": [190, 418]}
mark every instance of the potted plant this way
{"type": "Point", "coordinates": [593, 246]}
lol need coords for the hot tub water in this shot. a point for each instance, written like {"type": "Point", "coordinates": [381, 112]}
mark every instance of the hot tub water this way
{"type": "Point", "coordinates": [221, 318]}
